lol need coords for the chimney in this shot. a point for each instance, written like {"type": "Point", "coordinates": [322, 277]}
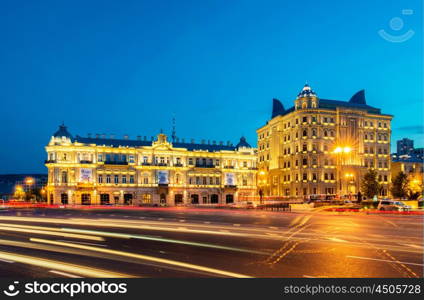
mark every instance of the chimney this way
{"type": "Point", "coordinates": [221, 143]}
{"type": "Point", "coordinates": [89, 135]}
{"type": "Point", "coordinates": [213, 142]}
{"type": "Point", "coordinates": [126, 137]}
{"type": "Point", "coordinates": [192, 141]}
{"type": "Point", "coordinates": [112, 136]}
{"type": "Point", "coordinates": [203, 142]}
{"type": "Point", "coordinates": [138, 137]}
{"type": "Point", "coordinates": [97, 135]}
{"type": "Point", "coordinates": [182, 141]}
{"type": "Point", "coordinates": [209, 142]}
{"type": "Point", "coordinates": [103, 135]}
{"type": "Point", "coordinates": [145, 138]}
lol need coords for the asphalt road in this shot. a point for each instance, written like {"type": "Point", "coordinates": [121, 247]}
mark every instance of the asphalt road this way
{"type": "Point", "coordinates": [184, 242]}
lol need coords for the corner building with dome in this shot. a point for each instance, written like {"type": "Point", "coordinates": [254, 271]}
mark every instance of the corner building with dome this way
{"type": "Point", "coordinates": [323, 147]}
{"type": "Point", "coordinates": [104, 170]}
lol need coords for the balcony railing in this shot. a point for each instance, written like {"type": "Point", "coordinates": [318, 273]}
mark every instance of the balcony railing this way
{"type": "Point", "coordinates": [231, 186]}
{"type": "Point", "coordinates": [228, 167]}
{"type": "Point", "coordinates": [50, 161]}
{"type": "Point", "coordinates": [178, 165]}
{"type": "Point", "coordinates": [146, 164]}
{"type": "Point", "coordinates": [116, 163]}
{"type": "Point", "coordinates": [86, 161]}
{"type": "Point", "coordinates": [204, 166]}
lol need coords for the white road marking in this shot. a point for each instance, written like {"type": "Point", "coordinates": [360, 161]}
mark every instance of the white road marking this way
{"type": "Point", "coordinates": [182, 220]}
{"type": "Point", "coordinates": [64, 274]}
{"type": "Point", "coordinates": [160, 219]}
{"type": "Point", "coordinates": [238, 225]}
{"type": "Point", "coordinates": [207, 222]}
{"type": "Point", "coordinates": [272, 227]}
{"type": "Point", "coordinates": [384, 260]}
{"type": "Point", "coordinates": [7, 261]}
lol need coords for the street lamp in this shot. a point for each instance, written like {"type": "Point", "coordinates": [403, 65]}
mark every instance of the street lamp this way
{"type": "Point", "coordinates": [339, 151]}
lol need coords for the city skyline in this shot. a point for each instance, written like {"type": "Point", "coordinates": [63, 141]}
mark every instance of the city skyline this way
{"type": "Point", "coordinates": [129, 72]}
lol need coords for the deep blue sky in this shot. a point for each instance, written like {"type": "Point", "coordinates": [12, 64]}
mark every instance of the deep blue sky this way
{"type": "Point", "coordinates": [124, 67]}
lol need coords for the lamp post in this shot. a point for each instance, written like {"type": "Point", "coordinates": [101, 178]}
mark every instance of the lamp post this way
{"type": "Point", "coordinates": [29, 181]}
{"type": "Point", "coordinates": [340, 151]}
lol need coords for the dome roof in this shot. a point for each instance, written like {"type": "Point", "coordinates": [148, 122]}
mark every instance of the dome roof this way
{"type": "Point", "coordinates": [306, 92]}
{"type": "Point", "coordinates": [243, 143]}
{"type": "Point", "coordinates": [63, 132]}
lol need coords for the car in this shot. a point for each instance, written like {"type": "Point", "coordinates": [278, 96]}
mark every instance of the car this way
{"type": "Point", "coordinates": [391, 205]}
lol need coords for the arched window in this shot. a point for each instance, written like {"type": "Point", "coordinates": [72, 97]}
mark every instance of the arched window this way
{"type": "Point", "coordinates": [305, 133]}
{"type": "Point", "coordinates": [304, 105]}
{"type": "Point", "coordinates": [325, 133]}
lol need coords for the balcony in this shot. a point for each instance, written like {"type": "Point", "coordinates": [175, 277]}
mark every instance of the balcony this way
{"type": "Point", "coordinates": [50, 161]}
{"type": "Point", "coordinates": [204, 166]}
{"type": "Point", "coordinates": [253, 168]}
{"type": "Point", "coordinates": [86, 161]}
{"type": "Point", "coordinates": [178, 165]}
{"type": "Point", "coordinates": [163, 184]}
{"type": "Point", "coordinates": [228, 167]}
{"type": "Point", "coordinates": [161, 164]}
{"type": "Point", "coordinates": [230, 186]}
{"type": "Point", "coordinates": [146, 164]}
{"type": "Point", "coordinates": [123, 163]}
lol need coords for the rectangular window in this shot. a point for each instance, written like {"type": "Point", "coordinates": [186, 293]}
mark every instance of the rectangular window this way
{"type": "Point", "coordinates": [131, 158]}
{"type": "Point", "coordinates": [131, 178]}
{"type": "Point", "coordinates": [145, 159]}
{"type": "Point", "coordinates": [100, 157]}
{"type": "Point", "coordinates": [124, 179]}
{"type": "Point", "coordinates": [100, 179]}
{"type": "Point", "coordinates": [116, 179]}
{"type": "Point", "coordinates": [107, 178]}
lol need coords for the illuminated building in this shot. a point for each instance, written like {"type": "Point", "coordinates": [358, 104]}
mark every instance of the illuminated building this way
{"type": "Point", "coordinates": [322, 146]}
{"type": "Point", "coordinates": [99, 170]}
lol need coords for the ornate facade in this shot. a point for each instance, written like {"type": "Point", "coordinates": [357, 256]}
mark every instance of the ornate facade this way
{"type": "Point", "coordinates": [101, 171]}
{"type": "Point", "coordinates": [322, 146]}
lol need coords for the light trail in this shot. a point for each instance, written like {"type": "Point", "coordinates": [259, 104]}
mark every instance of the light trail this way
{"type": "Point", "coordinates": [145, 257]}
{"type": "Point", "coordinates": [61, 266]}
{"type": "Point", "coordinates": [164, 240]}
{"type": "Point", "coordinates": [53, 233]}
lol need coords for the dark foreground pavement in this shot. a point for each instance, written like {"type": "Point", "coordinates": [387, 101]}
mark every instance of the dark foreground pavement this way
{"type": "Point", "coordinates": [184, 242]}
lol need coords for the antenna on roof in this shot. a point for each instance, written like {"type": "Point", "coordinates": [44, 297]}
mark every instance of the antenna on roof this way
{"type": "Point", "coordinates": [174, 133]}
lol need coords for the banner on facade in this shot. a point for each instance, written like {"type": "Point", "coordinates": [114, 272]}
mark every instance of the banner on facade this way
{"type": "Point", "coordinates": [230, 179]}
{"type": "Point", "coordinates": [86, 175]}
{"type": "Point", "coordinates": [163, 177]}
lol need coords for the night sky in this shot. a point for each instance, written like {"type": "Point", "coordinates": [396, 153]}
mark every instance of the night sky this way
{"type": "Point", "coordinates": [125, 67]}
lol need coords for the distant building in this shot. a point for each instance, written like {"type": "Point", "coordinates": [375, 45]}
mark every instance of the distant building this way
{"type": "Point", "coordinates": [98, 170]}
{"type": "Point", "coordinates": [322, 146]}
{"type": "Point", "coordinates": [405, 146]}
{"type": "Point", "coordinates": [418, 153]}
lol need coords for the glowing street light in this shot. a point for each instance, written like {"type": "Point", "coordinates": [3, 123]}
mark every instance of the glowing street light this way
{"type": "Point", "coordinates": [347, 149]}
{"type": "Point", "coordinates": [338, 150]}
{"type": "Point", "coordinates": [29, 181]}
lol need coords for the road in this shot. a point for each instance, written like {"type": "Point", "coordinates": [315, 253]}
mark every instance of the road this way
{"type": "Point", "coordinates": [184, 242]}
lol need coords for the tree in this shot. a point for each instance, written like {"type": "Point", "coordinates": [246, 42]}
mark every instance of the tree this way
{"type": "Point", "coordinates": [369, 185]}
{"type": "Point", "coordinates": [400, 183]}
